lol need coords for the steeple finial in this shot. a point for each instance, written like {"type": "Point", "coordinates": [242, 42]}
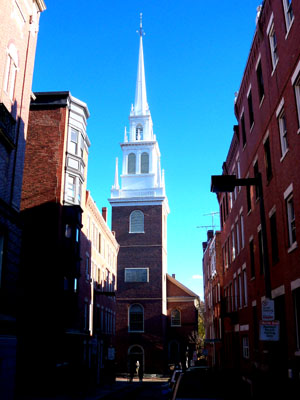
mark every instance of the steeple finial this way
{"type": "Point", "coordinates": [140, 104]}
{"type": "Point", "coordinates": [141, 25]}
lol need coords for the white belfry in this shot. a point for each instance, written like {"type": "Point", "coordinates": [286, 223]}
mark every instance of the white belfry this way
{"type": "Point", "coordinates": [141, 179]}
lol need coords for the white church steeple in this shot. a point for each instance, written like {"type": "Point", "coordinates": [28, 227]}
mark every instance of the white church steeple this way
{"type": "Point", "coordinates": [140, 104]}
{"type": "Point", "coordinates": [141, 178]}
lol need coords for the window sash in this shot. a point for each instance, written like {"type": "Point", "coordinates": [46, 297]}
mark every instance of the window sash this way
{"type": "Point", "coordinates": [273, 46]}
{"type": "Point", "coordinates": [283, 133]}
{"type": "Point", "coordinates": [145, 163]}
{"type": "Point", "coordinates": [137, 222]}
{"type": "Point", "coordinates": [291, 220]}
{"type": "Point", "coordinates": [131, 163]}
{"type": "Point", "coordinates": [136, 320]}
{"type": "Point", "coordinates": [297, 95]}
{"type": "Point", "coordinates": [288, 13]}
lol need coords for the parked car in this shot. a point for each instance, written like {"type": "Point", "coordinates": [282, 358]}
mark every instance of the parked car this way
{"type": "Point", "coordinates": [198, 384]}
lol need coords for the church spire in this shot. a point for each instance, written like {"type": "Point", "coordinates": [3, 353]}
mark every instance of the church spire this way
{"type": "Point", "coordinates": [140, 104]}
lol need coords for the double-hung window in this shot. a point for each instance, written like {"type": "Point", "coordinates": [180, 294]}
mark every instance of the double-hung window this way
{"type": "Point", "coordinates": [250, 108]}
{"type": "Point", "coordinates": [260, 81]}
{"type": "Point", "coordinates": [268, 162]}
{"type": "Point", "coordinates": [273, 42]}
{"type": "Point", "coordinates": [288, 13]}
{"type": "Point", "coordinates": [282, 129]}
{"type": "Point", "coordinates": [246, 347]}
{"type": "Point", "coordinates": [71, 185]}
{"type": "Point", "coordinates": [274, 236]}
{"type": "Point", "coordinates": [73, 145]}
{"type": "Point", "coordinates": [295, 80]}
{"type": "Point", "coordinates": [136, 318]}
{"type": "Point", "coordinates": [290, 214]}
{"type": "Point", "coordinates": [291, 219]}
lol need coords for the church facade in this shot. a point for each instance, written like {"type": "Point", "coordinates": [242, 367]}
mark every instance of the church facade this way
{"type": "Point", "coordinates": [139, 219]}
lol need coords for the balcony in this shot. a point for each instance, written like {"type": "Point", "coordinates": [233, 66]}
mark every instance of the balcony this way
{"type": "Point", "coordinates": [7, 128]}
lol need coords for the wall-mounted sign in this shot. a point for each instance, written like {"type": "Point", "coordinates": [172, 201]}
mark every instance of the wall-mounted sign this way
{"type": "Point", "coordinates": [269, 331]}
{"type": "Point", "coordinates": [267, 310]}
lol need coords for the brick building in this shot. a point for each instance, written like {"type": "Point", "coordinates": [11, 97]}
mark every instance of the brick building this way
{"type": "Point", "coordinates": [265, 143]}
{"type": "Point", "coordinates": [139, 219]}
{"type": "Point", "coordinates": [213, 282]}
{"type": "Point", "coordinates": [99, 250]}
{"type": "Point", "coordinates": [182, 322]}
{"type": "Point", "coordinates": [53, 196]}
{"type": "Point", "coordinates": [19, 24]}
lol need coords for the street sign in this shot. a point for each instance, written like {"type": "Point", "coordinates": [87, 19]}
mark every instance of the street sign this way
{"type": "Point", "coordinates": [267, 310]}
{"type": "Point", "coordinates": [269, 331]}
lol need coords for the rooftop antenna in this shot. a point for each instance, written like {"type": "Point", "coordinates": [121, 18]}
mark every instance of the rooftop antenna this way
{"type": "Point", "coordinates": [212, 226]}
{"type": "Point", "coordinates": [213, 213]}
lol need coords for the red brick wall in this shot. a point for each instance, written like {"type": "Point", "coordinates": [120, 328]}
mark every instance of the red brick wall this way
{"type": "Point", "coordinates": [140, 250]}
{"type": "Point", "coordinates": [277, 86]}
{"type": "Point", "coordinates": [44, 157]}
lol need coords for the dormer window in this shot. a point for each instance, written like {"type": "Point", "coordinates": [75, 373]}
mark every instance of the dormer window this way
{"type": "Point", "coordinates": [139, 132]}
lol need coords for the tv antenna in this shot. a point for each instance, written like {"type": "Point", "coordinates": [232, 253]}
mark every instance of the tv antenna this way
{"type": "Point", "coordinates": [212, 226]}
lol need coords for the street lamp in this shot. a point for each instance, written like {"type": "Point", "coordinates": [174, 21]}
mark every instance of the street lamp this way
{"type": "Point", "coordinates": [227, 183]}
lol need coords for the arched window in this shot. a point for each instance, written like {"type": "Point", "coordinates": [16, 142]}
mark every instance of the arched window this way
{"type": "Point", "coordinates": [136, 222]}
{"type": "Point", "coordinates": [11, 70]}
{"type": "Point", "coordinates": [175, 318]}
{"type": "Point", "coordinates": [131, 163]}
{"type": "Point", "coordinates": [145, 163]}
{"type": "Point", "coordinates": [136, 318]}
{"type": "Point", "coordinates": [139, 132]}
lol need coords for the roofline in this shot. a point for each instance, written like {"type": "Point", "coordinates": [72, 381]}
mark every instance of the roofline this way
{"type": "Point", "coordinates": [59, 98]}
{"type": "Point", "coordinates": [41, 5]}
{"type": "Point", "coordinates": [181, 286]}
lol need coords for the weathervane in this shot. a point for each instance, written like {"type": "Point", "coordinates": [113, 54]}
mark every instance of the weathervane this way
{"type": "Point", "coordinates": [141, 31]}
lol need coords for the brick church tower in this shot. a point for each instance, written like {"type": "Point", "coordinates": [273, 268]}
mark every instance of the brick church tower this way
{"type": "Point", "coordinates": [139, 219]}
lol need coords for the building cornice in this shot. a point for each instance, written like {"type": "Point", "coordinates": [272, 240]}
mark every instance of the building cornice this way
{"type": "Point", "coordinates": [41, 5]}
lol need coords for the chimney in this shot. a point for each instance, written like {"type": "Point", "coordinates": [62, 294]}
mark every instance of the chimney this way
{"type": "Point", "coordinates": [210, 235]}
{"type": "Point", "coordinates": [173, 276]}
{"type": "Point", "coordinates": [104, 213]}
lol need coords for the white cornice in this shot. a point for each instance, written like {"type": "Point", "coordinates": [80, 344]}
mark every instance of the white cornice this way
{"type": "Point", "coordinates": [41, 5]}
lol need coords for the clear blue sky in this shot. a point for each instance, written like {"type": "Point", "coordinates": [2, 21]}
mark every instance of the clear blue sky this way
{"type": "Point", "coordinates": [195, 53]}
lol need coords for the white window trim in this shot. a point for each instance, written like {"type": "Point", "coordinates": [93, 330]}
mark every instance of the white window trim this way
{"type": "Point", "coordinates": [270, 30]}
{"type": "Point", "coordinates": [282, 135]}
{"type": "Point", "coordinates": [288, 24]}
{"type": "Point", "coordinates": [288, 191]}
{"type": "Point", "coordinates": [143, 268]}
{"type": "Point", "coordinates": [130, 222]}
